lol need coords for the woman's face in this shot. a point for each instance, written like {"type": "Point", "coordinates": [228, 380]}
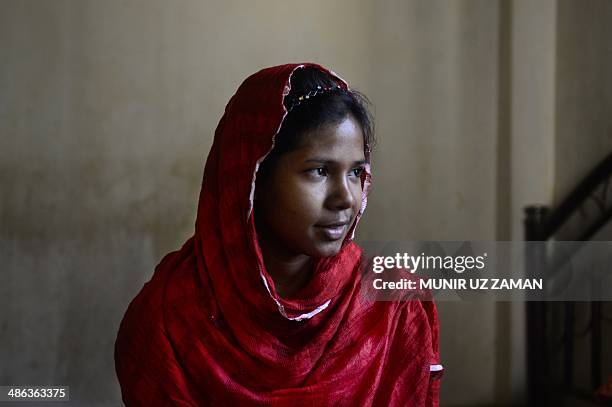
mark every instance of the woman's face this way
{"type": "Point", "coordinates": [309, 197]}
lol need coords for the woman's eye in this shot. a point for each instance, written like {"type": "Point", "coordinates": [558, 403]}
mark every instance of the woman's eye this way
{"type": "Point", "coordinates": [320, 171]}
{"type": "Point", "coordinates": [357, 171]}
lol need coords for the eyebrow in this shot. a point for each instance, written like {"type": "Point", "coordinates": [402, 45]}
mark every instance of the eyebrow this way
{"type": "Point", "coordinates": [328, 161]}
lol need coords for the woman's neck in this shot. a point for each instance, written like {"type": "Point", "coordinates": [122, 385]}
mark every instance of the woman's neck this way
{"type": "Point", "coordinates": [290, 274]}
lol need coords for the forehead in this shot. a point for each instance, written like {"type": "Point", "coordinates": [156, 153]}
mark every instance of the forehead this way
{"type": "Point", "coordinates": [344, 139]}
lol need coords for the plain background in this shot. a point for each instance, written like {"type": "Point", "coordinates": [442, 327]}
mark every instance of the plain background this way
{"type": "Point", "coordinates": [107, 111]}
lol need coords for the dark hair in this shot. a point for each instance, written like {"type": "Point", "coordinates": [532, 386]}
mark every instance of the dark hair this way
{"type": "Point", "coordinates": [327, 108]}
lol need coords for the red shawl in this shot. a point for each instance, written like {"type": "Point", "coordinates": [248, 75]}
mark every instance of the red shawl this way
{"type": "Point", "coordinates": [209, 328]}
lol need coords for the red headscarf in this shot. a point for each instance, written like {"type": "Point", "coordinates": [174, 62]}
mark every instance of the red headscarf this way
{"type": "Point", "coordinates": [210, 329]}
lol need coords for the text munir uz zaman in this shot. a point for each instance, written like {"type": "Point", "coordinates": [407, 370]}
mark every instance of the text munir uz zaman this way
{"type": "Point", "coordinates": [459, 264]}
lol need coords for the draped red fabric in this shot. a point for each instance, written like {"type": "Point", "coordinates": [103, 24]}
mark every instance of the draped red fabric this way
{"type": "Point", "coordinates": [210, 329]}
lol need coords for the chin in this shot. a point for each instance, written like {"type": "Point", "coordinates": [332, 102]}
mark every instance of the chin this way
{"type": "Point", "coordinates": [329, 249]}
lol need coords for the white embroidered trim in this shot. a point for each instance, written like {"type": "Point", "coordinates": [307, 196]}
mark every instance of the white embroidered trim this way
{"type": "Point", "coordinates": [282, 311]}
{"type": "Point", "coordinates": [435, 368]}
{"type": "Point", "coordinates": [280, 306]}
{"type": "Point", "coordinates": [286, 91]}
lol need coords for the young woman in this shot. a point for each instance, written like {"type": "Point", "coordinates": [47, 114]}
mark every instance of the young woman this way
{"type": "Point", "coordinates": [262, 306]}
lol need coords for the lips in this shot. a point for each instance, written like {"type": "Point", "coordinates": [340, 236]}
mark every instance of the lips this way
{"type": "Point", "coordinates": [333, 224]}
{"type": "Point", "coordinates": [333, 230]}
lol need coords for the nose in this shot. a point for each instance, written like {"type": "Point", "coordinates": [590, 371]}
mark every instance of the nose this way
{"type": "Point", "coordinates": [340, 195]}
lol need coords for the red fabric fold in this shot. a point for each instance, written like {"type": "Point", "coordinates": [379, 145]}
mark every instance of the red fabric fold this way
{"type": "Point", "coordinates": [210, 329]}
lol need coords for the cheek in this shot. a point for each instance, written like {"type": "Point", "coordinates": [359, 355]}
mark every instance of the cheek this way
{"type": "Point", "coordinates": [301, 202]}
{"type": "Point", "coordinates": [308, 205]}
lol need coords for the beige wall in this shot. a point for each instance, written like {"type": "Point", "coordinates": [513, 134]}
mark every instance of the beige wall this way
{"type": "Point", "coordinates": [107, 110]}
{"type": "Point", "coordinates": [531, 97]}
{"type": "Point", "coordinates": [584, 90]}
